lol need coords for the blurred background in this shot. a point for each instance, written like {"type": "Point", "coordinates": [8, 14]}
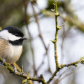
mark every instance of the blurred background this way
{"type": "Point", "coordinates": [37, 21]}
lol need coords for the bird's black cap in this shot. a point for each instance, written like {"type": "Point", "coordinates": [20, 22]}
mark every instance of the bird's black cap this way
{"type": "Point", "coordinates": [14, 30]}
{"type": "Point", "coordinates": [17, 32]}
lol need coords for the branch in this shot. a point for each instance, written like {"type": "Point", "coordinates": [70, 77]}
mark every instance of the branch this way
{"type": "Point", "coordinates": [40, 34]}
{"type": "Point", "coordinates": [30, 37]}
{"type": "Point", "coordinates": [55, 43]}
{"type": "Point", "coordinates": [56, 36]}
{"type": "Point", "coordinates": [22, 74]}
{"type": "Point", "coordinates": [59, 67]}
{"type": "Point", "coordinates": [66, 65]}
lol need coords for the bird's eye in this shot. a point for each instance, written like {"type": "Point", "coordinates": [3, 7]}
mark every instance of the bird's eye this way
{"type": "Point", "coordinates": [16, 34]}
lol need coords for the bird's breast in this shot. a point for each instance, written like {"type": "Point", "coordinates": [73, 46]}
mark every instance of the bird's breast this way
{"type": "Point", "coordinates": [14, 53]}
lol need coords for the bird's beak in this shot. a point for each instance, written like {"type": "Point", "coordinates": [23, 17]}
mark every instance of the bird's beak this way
{"type": "Point", "coordinates": [24, 38]}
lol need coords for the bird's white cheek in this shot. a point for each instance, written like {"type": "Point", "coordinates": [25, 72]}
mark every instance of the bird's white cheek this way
{"type": "Point", "coordinates": [4, 34]}
{"type": "Point", "coordinates": [8, 36]}
{"type": "Point", "coordinates": [13, 37]}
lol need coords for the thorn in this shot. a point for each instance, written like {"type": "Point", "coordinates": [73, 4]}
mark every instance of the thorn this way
{"type": "Point", "coordinates": [59, 27]}
{"type": "Point", "coordinates": [57, 14]}
{"type": "Point", "coordinates": [53, 41]}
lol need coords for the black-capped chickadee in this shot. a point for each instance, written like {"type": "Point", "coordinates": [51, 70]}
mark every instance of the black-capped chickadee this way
{"type": "Point", "coordinates": [11, 39]}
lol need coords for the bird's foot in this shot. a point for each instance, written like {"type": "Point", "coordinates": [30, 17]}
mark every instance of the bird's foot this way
{"type": "Point", "coordinates": [1, 63]}
{"type": "Point", "coordinates": [15, 70]}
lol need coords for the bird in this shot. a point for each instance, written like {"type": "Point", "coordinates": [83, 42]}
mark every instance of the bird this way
{"type": "Point", "coordinates": [11, 44]}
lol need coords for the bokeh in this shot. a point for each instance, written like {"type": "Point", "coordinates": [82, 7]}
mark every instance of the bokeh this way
{"type": "Point", "coordinates": [37, 21]}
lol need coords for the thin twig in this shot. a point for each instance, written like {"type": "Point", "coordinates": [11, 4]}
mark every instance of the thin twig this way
{"type": "Point", "coordinates": [21, 74]}
{"type": "Point", "coordinates": [56, 36]}
{"type": "Point", "coordinates": [27, 22]}
{"type": "Point", "coordinates": [40, 34]}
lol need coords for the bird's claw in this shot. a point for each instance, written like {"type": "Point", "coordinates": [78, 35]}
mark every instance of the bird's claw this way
{"type": "Point", "coordinates": [15, 70]}
{"type": "Point", "coordinates": [1, 63]}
